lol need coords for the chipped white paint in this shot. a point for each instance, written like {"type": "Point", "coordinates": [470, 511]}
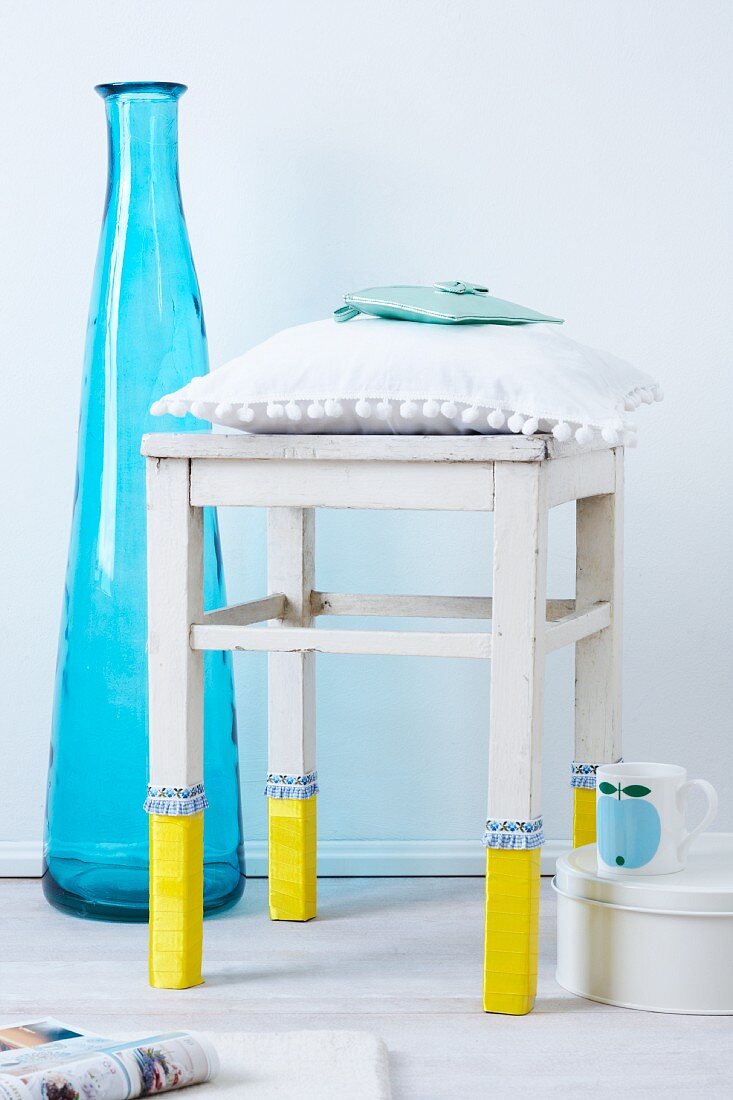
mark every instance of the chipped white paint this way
{"type": "Point", "coordinates": [599, 576]}
{"type": "Point", "coordinates": [320, 483]}
{"type": "Point", "coordinates": [422, 607]}
{"type": "Point", "coordinates": [175, 600]}
{"type": "Point", "coordinates": [291, 672]}
{"type": "Point", "coordinates": [398, 643]}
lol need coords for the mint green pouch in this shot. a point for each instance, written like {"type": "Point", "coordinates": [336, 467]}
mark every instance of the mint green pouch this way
{"type": "Point", "coordinates": [450, 303]}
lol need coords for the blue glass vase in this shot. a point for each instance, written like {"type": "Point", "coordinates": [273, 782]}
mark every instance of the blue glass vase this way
{"type": "Point", "coordinates": [146, 336]}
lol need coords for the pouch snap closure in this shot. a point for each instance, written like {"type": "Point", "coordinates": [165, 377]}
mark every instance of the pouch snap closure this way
{"type": "Point", "coordinates": [455, 286]}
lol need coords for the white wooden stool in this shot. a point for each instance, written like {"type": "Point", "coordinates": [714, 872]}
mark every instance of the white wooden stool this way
{"type": "Point", "coordinates": [519, 478]}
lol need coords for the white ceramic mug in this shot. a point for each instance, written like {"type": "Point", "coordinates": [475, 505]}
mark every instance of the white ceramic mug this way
{"type": "Point", "coordinates": [640, 818]}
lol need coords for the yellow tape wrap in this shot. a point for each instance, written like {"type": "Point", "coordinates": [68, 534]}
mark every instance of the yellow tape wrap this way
{"type": "Point", "coordinates": [512, 930]}
{"type": "Point", "coordinates": [584, 817]}
{"type": "Point", "coordinates": [292, 866]}
{"type": "Point", "coordinates": [176, 900]}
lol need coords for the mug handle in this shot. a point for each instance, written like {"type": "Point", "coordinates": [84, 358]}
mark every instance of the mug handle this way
{"type": "Point", "coordinates": [712, 797]}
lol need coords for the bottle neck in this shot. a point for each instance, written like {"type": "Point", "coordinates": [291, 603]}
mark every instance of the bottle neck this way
{"type": "Point", "coordinates": [143, 144]}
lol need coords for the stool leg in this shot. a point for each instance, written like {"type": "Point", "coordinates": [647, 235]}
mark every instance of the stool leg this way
{"type": "Point", "coordinates": [176, 900]}
{"type": "Point", "coordinates": [292, 834]}
{"type": "Point", "coordinates": [584, 816]}
{"type": "Point", "coordinates": [512, 930]}
{"type": "Point", "coordinates": [514, 828]}
{"type": "Point", "coordinates": [292, 781]}
{"type": "Point", "coordinates": [599, 575]}
{"type": "Point", "coordinates": [176, 795]}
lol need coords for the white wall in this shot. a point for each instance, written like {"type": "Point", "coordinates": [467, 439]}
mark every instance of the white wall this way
{"type": "Point", "coordinates": [576, 156]}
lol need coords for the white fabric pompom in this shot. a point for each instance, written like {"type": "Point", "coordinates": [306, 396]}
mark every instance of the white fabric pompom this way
{"type": "Point", "coordinates": [334, 409]}
{"type": "Point", "coordinates": [275, 411]}
{"type": "Point", "coordinates": [562, 432]}
{"type": "Point", "coordinates": [293, 411]}
{"type": "Point", "coordinates": [383, 410]}
{"type": "Point", "coordinates": [530, 426]}
{"type": "Point", "coordinates": [222, 411]}
{"type": "Point", "coordinates": [647, 397]}
{"type": "Point", "coordinates": [658, 393]}
{"type": "Point", "coordinates": [158, 408]}
{"type": "Point", "coordinates": [177, 408]}
{"type": "Point", "coordinates": [408, 410]}
{"type": "Point", "coordinates": [430, 410]}
{"type": "Point", "coordinates": [496, 418]}
{"type": "Point", "coordinates": [515, 423]}
{"type": "Point", "coordinates": [198, 408]}
{"type": "Point", "coordinates": [610, 435]}
{"type": "Point", "coordinates": [363, 409]}
{"type": "Point", "coordinates": [470, 415]}
{"type": "Point", "coordinates": [449, 410]}
{"type": "Point", "coordinates": [584, 435]}
{"type": "Point", "coordinates": [245, 414]}
{"type": "Point", "coordinates": [316, 411]}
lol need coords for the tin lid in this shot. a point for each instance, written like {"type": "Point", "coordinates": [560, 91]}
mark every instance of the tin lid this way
{"type": "Point", "coordinates": [705, 886]}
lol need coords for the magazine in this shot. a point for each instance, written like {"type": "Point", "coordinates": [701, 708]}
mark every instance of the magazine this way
{"type": "Point", "coordinates": [45, 1060]}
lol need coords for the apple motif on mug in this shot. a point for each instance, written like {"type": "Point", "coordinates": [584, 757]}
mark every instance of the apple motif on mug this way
{"type": "Point", "coordinates": [629, 828]}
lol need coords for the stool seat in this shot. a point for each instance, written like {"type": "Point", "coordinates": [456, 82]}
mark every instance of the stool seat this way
{"type": "Point", "coordinates": [361, 448]}
{"type": "Point", "coordinates": [520, 479]}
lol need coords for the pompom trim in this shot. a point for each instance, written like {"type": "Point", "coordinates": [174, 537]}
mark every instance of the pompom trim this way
{"type": "Point", "coordinates": [283, 409]}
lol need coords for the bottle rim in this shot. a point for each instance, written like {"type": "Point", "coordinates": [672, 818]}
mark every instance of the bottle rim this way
{"type": "Point", "coordinates": [142, 89]}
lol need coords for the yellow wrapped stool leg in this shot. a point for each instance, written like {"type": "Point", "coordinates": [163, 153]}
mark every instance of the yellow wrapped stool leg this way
{"type": "Point", "coordinates": [176, 900]}
{"type": "Point", "coordinates": [584, 816]}
{"type": "Point", "coordinates": [512, 930]}
{"type": "Point", "coordinates": [292, 858]}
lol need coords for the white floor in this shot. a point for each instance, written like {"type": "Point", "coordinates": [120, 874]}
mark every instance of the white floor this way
{"type": "Point", "coordinates": [398, 957]}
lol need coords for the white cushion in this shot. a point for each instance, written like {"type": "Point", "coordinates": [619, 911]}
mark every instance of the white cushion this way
{"type": "Point", "coordinates": [378, 376]}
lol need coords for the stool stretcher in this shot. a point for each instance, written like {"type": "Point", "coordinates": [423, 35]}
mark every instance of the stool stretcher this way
{"type": "Point", "coordinates": [176, 900]}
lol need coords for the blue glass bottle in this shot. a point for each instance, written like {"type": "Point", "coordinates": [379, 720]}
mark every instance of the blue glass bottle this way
{"type": "Point", "coordinates": [146, 336]}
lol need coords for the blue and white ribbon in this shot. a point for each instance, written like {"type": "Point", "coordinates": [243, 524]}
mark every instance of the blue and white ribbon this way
{"type": "Point", "coordinates": [292, 786]}
{"type": "Point", "coordinates": [584, 775]}
{"type": "Point", "coordinates": [176, 801]}
{"type": "Point", "coordinates": [501, 833]}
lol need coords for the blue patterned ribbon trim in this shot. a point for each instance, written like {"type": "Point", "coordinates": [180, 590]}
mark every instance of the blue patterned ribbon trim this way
{"type": "Point", "coordinates": [292, 786]}
{"type": "Point", "coordinates": [176, 801]}
{"type": "Point", "coordinates": [584, 775]}
{"type": "Point", "coordinates": [514, 834]}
